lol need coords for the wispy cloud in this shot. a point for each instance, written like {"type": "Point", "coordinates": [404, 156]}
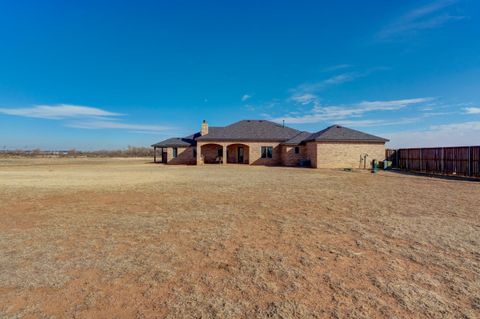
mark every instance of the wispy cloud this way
{"type": "Point", "coordinates": [473, 125]}
{"type": "Point", "coordinates": [391, 105]}
{"type": "Point", "coordinates": [337, 79]}
{"type": "Point", "coordinates": [472, 110]}
{"type": "Point", "coordinates": [304, 98]}
{"type": "Point", "coordinates": [333, 80]}
{"type": "Point", "coordinates": [392, 121]}
{"type": "Point", "coordinates": [246, 97]}
{"type": "Point", "coordinates": [453, 134]}
{"type": "Point", "coordinates": [429, 16]}
{"type": "Point", "coordinates": [367, 123]}
{"type": "Point", "coordinates": [429, 8]}
{"type": "Point", "coordinates": [319, 113]}
{"type": "Point", "coordinates": [58, 112]}
{"type": "Point", "coordinates": [84, 117]}
{"type": "Point", "coordinates": [102, 124]}
{"type": "Point", "coordinates": [341, 78]}
{"type": "Point", "coordinates": [337, 67]}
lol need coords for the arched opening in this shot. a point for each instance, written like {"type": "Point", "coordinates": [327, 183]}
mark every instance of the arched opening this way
{"type": "Point", "coordinates": [212, 153]}
{"type": "Point", "coordinates": [238, 154]}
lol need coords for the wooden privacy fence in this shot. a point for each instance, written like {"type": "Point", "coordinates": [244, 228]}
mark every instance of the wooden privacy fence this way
{"type": "Point", "coordinates": [463, 161]}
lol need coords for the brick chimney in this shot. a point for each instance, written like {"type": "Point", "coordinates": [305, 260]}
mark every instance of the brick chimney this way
{"type": "Point", "coordinates": [204, 130]}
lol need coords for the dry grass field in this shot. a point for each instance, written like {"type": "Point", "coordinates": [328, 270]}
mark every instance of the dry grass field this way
{"type": "Point", "coordinates": [124, 238]}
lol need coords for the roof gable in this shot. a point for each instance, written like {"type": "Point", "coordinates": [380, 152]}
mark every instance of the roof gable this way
{"type": "Point", "coordinates": [190, 140]}
{"type": "Point", "coordinates": [251, 130]}
{"type": "Point", "coordinates": [297, 139]}
{"type": "Point", "coordinates": [343, 134]}
{"type": "Point", "coordinates": [176, 142]}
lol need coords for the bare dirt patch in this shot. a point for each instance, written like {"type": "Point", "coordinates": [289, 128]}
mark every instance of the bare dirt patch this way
{"type": "Point", "coordinates": [129, 239]}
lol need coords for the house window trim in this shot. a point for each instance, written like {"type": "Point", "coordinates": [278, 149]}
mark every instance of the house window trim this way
{"type": "Point", "coordinates": [264, 152]}
{"type": "Point", "coordinates": [174, 152]}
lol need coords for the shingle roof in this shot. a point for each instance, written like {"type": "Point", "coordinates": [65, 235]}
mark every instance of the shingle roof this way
{"type": "Point", "coordinates": [262, 130]}
{"type": "Point", "coordinates": [213, 130]}
{"type": "Point", "coordinates": [175, 142]}
{"type": "Point", "coordinates": [343, 134]}
{"type": "Point", "coordinates": [251, 130]}
{"type": "Point", "coordinates": [297, 139]}
{"type": "Point", "coordinates": [190, 140]}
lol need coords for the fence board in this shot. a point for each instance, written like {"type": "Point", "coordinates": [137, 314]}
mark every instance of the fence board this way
{"type": "Point", "coordinates": [463, 161]}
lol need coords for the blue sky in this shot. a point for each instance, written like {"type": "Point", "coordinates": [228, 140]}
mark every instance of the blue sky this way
{"type": "Point", "coordinates": [107, 74]}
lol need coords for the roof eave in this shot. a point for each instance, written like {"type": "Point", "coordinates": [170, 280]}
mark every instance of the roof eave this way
{"type": "Point", "coordinates": [291, 144]}
{"type": "Point", "coordinates": [172, 145]}
{"type": "Point", "coordinates": [213, 139]}
{"type": "Point", "coordinates": [347, 140]}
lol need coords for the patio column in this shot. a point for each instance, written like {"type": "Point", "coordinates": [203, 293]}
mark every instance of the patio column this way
{"type": "Point", "coordinates": [224, 161]}
{"type": "Point", "coordinates": [199, 154]}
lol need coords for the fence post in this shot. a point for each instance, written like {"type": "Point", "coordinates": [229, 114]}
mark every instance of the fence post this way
{"type": "Point", "coordinates": [421, 161]}
{"type": "Point", "coordinates": [442, 160]}
{"type": "Point", "coordinates": [469, 161]}
{"type": "Point", "coordinates": [407, 158]}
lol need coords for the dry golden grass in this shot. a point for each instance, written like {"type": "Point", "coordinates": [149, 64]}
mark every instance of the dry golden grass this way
{"type": "Point", "coordinates": [128, 239]}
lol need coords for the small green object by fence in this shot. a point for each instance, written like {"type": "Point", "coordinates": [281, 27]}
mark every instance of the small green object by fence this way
{"type": "Point", "coordinates": [387, 165]}
{"type": "Point", "coordinates": [374, 166]}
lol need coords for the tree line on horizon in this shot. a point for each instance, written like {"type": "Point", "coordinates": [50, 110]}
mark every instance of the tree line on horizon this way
{"type": "Point", "coordinates": [130, 151]}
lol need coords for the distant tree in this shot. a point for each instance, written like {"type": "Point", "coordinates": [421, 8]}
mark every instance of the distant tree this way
{"type": "Point", "coordinates": [72, 153]}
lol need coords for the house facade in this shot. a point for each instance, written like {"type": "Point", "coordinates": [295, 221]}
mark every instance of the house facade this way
{"type": "Point", "coordinates": [261, 142]}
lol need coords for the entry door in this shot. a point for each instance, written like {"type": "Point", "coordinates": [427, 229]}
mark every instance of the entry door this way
{"type": "Point", "coordinates": [240, 155]}
{"type": "Point", "coordinates": [164, 157]}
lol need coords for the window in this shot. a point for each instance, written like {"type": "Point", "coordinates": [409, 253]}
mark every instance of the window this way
{"type": "Point", "coordinates": [175, 152]}
{"type": "Point", "coordinates": [297, 149]}
{"type": "Point", "coordinates": [267, 151]}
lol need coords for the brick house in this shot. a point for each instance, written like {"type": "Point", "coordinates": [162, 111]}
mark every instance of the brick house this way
{"type": "Point", "coordinates": [261, 142]}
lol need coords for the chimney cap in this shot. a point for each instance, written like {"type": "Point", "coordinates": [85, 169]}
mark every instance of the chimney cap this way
{"type": "Point", "coordinates": [204, 121]}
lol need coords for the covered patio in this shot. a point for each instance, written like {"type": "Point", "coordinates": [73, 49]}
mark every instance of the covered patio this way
{"type": "Point", "coordinates": [223, 153]}
{"type": "Point", "coordinates": [162, 157]}
{"type": "Point", "coordinates": [238, 153]}
{"type": "Point", "coordinates": [212, 153]}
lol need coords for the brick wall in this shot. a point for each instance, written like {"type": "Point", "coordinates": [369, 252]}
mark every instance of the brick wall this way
{"type": "Point", "coordinates": [320, 154]}
{"type": "Point", "coordinates": [253, 152]}
{"type": "Point", "coordinates": [346, 154]}
{"type": "Point", "coordinates": [290, 158]}
{"type": "Point", "coordinates": [184, 156]}
{"type": "Point", "coordinates": [208, 152]}
{"type": "Point", "coordinates": [232, 153]}
{"type": "Point", "coordinates": [312, 153]}
{"type": "Point", "coordinates": [256, 154]}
